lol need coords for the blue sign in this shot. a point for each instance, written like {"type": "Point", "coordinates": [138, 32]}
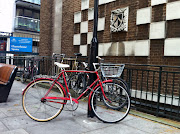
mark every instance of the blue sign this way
{"type": "Point", "coordinates": [19, 44]}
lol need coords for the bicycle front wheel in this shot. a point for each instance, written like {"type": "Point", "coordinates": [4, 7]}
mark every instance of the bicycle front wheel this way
{"type": "Point", "coordinates": [112, 107]}
{"type": "Point", "coordinates": [40, 109]}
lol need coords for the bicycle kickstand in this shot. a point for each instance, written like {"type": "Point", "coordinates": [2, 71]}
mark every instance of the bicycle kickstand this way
{"type": "Point", "coordinates": [73, 113]}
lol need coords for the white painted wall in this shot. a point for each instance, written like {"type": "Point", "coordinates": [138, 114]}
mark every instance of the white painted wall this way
{"type": "Point", "coordinates": [57, 29]}
{"type": "Point", "coordinates": [7, 14]}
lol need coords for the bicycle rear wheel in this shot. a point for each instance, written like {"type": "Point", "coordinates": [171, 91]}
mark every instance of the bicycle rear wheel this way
{"type": "Point", "coordinates": [115, 107]}
{"type": "Point", "coordinates": [40, 109]}
{"type": "Point", "coordinates": [23, 77]}
{"type": "Point", "coordinates": [77, 83]}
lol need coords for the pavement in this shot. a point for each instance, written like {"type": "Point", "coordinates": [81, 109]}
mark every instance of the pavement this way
{"type": "Point", "coordinates": [13, 120]}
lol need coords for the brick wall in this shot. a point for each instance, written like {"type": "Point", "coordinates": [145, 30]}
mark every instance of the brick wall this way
{"type": "Point", "coordinates": [135, 32]}
{"type": "Point", "coordinates": [45, 46]}
{"type": "Point", "coordinates": [68, 26]}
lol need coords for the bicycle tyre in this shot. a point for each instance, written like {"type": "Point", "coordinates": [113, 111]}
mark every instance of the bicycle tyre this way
{"type": "Point", "coordinates": [23, 77]}
{"type": "Point", "coordinates": [40, 109]}
{"type": "Point", "coordinates": [123, 83]}
{"type": "Point", "coordinates": [77, 83]}
{"type": "Point", "coordinates": [120, 81]}
{"type": "Point", "coordinates": [110, 112]}
{"type": "Point", "coordinates": [34, 73]}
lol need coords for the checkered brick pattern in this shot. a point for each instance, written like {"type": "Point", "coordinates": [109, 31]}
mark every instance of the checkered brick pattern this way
{"type": "Point", "coordinates": [160, 17]}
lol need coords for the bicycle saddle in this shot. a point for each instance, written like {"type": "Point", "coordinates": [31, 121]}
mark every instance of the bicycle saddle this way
{"type": "Point", "coordinates": [77, 54]}
{"type": "Point", "coordinates": [60, 65]}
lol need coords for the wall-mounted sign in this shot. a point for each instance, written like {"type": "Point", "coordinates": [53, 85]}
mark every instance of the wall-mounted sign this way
{"type": "Point", "coordinates": [19, 44]}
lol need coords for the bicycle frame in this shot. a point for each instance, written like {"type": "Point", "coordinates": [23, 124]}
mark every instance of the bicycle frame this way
{"type": "Point", "coordinates": [50, 99]}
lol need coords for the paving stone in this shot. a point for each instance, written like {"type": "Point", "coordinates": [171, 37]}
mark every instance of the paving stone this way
{"type": "Point", "coordinates": [150, 126]}
{"type": "Point", "coordinates": [2, 127]}
{"type": "Point", "coordinates": [18, 131]}
{"type": "Point", "coordinates": [13, 120]}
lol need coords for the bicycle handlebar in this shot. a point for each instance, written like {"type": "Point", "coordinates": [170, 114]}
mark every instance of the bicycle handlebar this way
{"type": "Point", "coordinates": [54, 54]}
{"type": "Point", "coordinates": [99, 58]}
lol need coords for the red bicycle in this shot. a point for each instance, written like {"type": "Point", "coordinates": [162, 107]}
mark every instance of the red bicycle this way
{"type": "Point", "coordinates": [44, 98]}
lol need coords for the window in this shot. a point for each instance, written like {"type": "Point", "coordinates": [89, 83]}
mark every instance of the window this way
{"type": "Point", "coordinates": [27, 13]}
{"type": "Point", "coordinates": [36, 16]}
{"type": "Point", "coordinates": [19, 12]}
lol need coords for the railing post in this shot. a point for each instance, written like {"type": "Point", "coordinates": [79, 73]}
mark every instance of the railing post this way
{"type": "Point", "coordinates": [130, 79]}
{"type": "Point", "coordinates": [159, 91]}
{"type": "Point", "coordinates": [43, 67]}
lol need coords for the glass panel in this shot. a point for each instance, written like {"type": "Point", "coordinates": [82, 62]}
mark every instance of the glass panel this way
{"type": "Point", "coordinates": [34, 1]}
{"type": "Point", "coordinates": [37, 1]}
{"type": "Point", "coordinates": [29, 24]}
{"type": "Point", "coordinates": [29, 1]}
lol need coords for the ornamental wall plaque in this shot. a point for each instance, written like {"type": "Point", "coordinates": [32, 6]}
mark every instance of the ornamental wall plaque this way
{"type": "Point", "coordinates": [119, 19]}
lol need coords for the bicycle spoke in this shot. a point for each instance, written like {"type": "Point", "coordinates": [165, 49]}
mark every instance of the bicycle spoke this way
{"type": "Point", "coordinates": [38, 108]}
{"type": "Point", "coordinates": [113, 109]}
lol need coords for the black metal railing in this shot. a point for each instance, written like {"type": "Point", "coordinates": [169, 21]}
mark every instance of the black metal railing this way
{"type": "Point", "coordinates": [45, 64]}
{"type": "Point", "coordinates": [154, 89]}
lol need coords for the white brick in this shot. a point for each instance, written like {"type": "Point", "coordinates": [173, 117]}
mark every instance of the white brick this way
{"type": "Point", "coordinates": [89, 37]}
{"type": "Point", "coordinates": [129, 47]}
{"type": "Point", "coordinates": [84, 4]}
{"type": "Point", "coordinates": [172, 47]}
{"type": "Point", "coordinates": [91, 14]}
{"type": "Point", "coordinates": [105, 1]}
{"type": "Point", "coordinates": [77, 17]}
{"type": "Point", "coordinates": [142, 48]}
{"type": "Point", "coordinates": [100, 49]}
{"type": "Point", "coordinates": [173, 10]}
{"type": "Point", "coordinates": [83, 50]}
{"type": "Point", "coordinates": [77, 39]}
{"type": "Point", "coordinates": [143, 16]}
{"type": "Point", "coordinates": [157, 30]}
{"type": "Point", "coordinates": [157, 2]}
{"type": "Point", "coordinates": [84, 27]}
{"type": "Point", "coordinates": [106, 48]}
{"type": "Point", "coordinates": [101, 24]}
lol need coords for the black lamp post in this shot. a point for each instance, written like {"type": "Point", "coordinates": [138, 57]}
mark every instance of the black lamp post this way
{"type": "Point", "coordinates": [93, 49]}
